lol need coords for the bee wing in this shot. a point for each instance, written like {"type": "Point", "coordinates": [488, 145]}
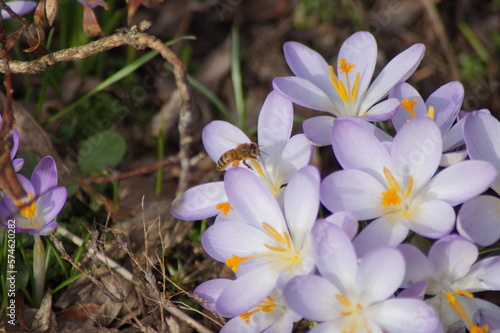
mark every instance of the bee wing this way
{"type": "Point", "coordinates": [220, 136]}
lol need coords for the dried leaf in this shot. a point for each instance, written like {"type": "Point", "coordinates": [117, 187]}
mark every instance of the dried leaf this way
{"type": "Point", "coordinates": [34, 35]}
{"type": "Point", "coordinates": [39, 16]}
{"type": "Point", "coordinates": [51, 11]}
{"type": "Point", "coordinates": [13, 38]}
{"type": "Point", "coordinates": [45, 318]}
{"type": "Point", "coordinates": [80, 312]}
{"type": "Point", "coordinates": [133, 5]}
{"type": "Point", "coordinates": [91, 26]}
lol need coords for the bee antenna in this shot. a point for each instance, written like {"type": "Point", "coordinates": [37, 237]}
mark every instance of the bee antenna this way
{"type": "Point", "coordinates": [263, 152]}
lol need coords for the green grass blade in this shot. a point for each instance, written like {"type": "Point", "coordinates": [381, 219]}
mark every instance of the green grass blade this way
{"type": "Point", "coordinates": [236, 78]}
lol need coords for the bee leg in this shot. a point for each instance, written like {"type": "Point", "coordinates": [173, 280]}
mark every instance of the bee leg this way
{"type": "Point", "coordinates": [247, 165]}
{"type": "Point", "coordinates": [236, 163]}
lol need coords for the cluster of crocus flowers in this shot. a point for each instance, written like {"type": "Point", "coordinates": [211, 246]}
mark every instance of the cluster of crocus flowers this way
{"type": "Point", "coordinates": [291, 260]}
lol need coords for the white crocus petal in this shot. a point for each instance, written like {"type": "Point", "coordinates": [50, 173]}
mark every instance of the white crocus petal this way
{"type": "Point", "coordinates": [356, 148]}
{"type": "Point", "coordinates": [446, 102]}
{"type": "Point", "coordinates": [220, 136]}
{"type": "Point", "coordinates": [433, 219]}
{"type": "Point", "coordinates": [247, 291]}
{"type": "Point", "coordinates": [312, 297]}
{"type": "Point", "coordinates": [404, 316]}
{"type": "Point", "coordinates": [345, 221]}
{"type": "Point", "coordinates": [448, 159]}
{"type": "Point", "coordinates": [398, 69]}
{"type": "Point", "coordinates": [461, 181]}
{"type": "Point", "coordinates": [199, 202]}
{"type": "Point", "coordinates": [353, 191]}
{"type": "Point", "coordinates": [382, 111]}
{"type": "Point", "coordinates": [337, 326]}
{"type": "Point", "coordinates": [482, 138]}
{"type": "Point", "coordinates": [454, 137]}
{"type": "Point", "coordinates": [333, 249]}
{"type": "Point", "coordinates": [416, 150]}
{"type": "Point", "coordinates": [380, 274]}
{"type": "Point", "coordinates": [418, 268]}
{"type": "Point", "coordinates": [223, 240]}
{"type": "Point", "coordinates": [308, 64]}
{"type": "Point", "coordinates": [482, 276]}
{"type": "Point", "coordinates": [302, 203]}
{"type": "Point", "coordinates": [319, 130]}
{"type": "Point", "coordinates": [387, 233]}
{"type": "Point", "coordinates": [296, 155]}
{"type": "Point", "coordinates": [478, 220]}
{"type": "Point", "coordinates": [249, 195]}
{"type": "Point", "coordinates": [303, 92]}
{"type": "Point", "coordinates": [274, 127]}
{"type": "Point", "coordinates": [360, 50]}
{"type": "Point", "coordinates": [452, 257]}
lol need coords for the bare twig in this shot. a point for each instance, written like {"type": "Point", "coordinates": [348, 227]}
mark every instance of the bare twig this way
{"type": "Point", "coordinates": [136, 37]}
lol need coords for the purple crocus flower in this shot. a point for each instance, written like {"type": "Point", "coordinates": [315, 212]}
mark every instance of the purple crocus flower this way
{"type": "Point", "coordinates": [35, 214]}
{"type": "Point", "coordinates": [19, 7]}
{"type": "Point", "coordinates": [280, 157]}
{"type": "Point", "coordinates": [442, 106]}
{"type": "Point", "coordinates": [265, 247]}
{"type": "Point", "coordinates": [452, 275]}
{"type": "Point", "coordinates": [270, 315]}
{"type": "Point", "coordinates": [396, 184]}
{"type": "Point", "coordinates": [479, 218]}
{"type": "Point", "coordinates": [356, 297]}
{"type": "Point", "coordinates": [349, 92]}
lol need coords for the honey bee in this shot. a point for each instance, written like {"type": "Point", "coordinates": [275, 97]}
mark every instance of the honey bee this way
{"type": "Point", "coordinates": [242, 152]}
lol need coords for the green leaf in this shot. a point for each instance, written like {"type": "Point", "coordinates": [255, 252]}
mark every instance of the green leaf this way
{"type": "Point", "coordinates": [100, 150]}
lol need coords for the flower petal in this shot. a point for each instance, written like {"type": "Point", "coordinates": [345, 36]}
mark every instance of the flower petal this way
{"type": "Point", "coordinates": [223, 240]}
{"type": "Point", "coordinates": [357, 148]}
{"type": "Point", "coordinates": [334, 254]}
{"type": "Point", "coordinates": [220, 136]}
{"type": "Point", "coordinates": [308, 64]}
{"type": "Point", "coordinates": [398, 69]}
{"type": "Point", "coordinates": [416, 150]}
{"type": "Point", "coordinates": [296, 155]}
{"type": "Point", "coordinates": [274, 127]}
{"type": "Point", "coordinates": [446, 101]}
{"type": "Point", "coordinates": [452, 257]}
{"type": "Point", "coordinates": [483, 275]}
{"type": "Point", "coordinates": [381, 232]}
{"type": "Point", "coordinates": [51, 203]}
{"type": "Point", "coordinates": [354, 191]}
{"type": "Point", "coordinates": [345, 221]}
{"type": "Point", "coordinates": [19, 7]}
{"type": "Point", "coordinates": [302, 203]}
{"type": "Point", "coordinates": [380, 274]}
{"type": "Point", "coordinates": [435, 219]}
{"type": "Point", "coordinates": [312, 297]}
{"type": "Point", "coordinates": [482, 138]}
{"type": "Point", "coordinates": [210, 291]}
{"type": "Point", "coordinates": [246, 291]}
{"type": "Point", "coordinates": [44, 176]}
{"type": "Point", "coordinates": [418, 268]}
{"type": "Point", "coordinates": [461, 181]}
{"type": "Point", "coordinates": [252, 198]}
{"type": "Point", "coordinates": [479, 220]}
{"type": "Point", "coordinates": [319, 130]}
{"type": "Point", "coordinates": [382, 111]}
{"type": "Point", "coordinates": [199, 202]}
{"type": "Point", "coordinates": [404, 315]}
{"type": "Point", "coordinates": [303, 92]}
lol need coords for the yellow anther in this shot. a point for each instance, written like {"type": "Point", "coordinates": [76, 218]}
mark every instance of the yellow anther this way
{"type": "Point", "coordinates": [392, 196]}
{"type": "Point", "coordinates": [257, 167]}
{"type": "Point", "coordinates": [224, 207]}
{"type": "Point", "coordinates": [343, 300]}
{"type": "Point", "coordinates": [27, 207]}
{"type": "Point", "coordinates": [410, 187]}
{"type": "Point", "coordinates": [345, 67]}
{"type": "Point", "coordinates": [338, 85]}
{"type": "Point", "coordinates": [457, 307]}
{"type": "Point", "coordinates": [268, 305]}
{"type": "Point", "coordinates": [281, 239]}
{"type": "Point", "coordinates": [408, 104]}
{"type": "Point", "coordinates": [430, 112]}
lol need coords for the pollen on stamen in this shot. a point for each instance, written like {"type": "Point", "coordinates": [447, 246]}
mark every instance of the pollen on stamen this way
{"type": "Point", "coordinates": [430, 112]}
{"type": "Point", "coordinates": [224, 207]}
{"type": "Point", "coordinates": [408, 104]}
{"type": "Point", "coordinates": [345, 67]}
{"type": "Point", "coordinates": [457, 307]}
{"type": "Point", "coordinates": [27, 207]}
